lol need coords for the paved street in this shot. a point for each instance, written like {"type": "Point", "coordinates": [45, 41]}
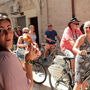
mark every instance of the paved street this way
{"type": "Point", "coordinates": [46, 86]}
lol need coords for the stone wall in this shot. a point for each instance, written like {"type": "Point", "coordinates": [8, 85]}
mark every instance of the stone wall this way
{"type": "Point", "coordinates": [56, 12]}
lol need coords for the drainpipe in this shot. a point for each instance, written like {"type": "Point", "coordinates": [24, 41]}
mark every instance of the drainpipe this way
{"type": "Point", "coordinates": [73, 8]}
{"type": "Point", "coordinates": [47, 12]}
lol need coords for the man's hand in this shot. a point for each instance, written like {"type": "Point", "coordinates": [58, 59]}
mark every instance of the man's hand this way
{"type": "Point", "coordinates": [50, 40]}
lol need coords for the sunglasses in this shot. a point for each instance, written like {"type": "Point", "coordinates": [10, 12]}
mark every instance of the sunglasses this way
{"type": "Point", "coordinates": [76, 23]}
{"type": "Point", "coordinates": [87, 27]}
{"type": "Point", "coordinates": [3, 31]}
{"type": "Point", "coordinates": [25, 32]}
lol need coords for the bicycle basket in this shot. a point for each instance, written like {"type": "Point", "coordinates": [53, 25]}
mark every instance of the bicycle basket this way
{"type": "Point", "coordinates": [56, 71]}
{"type": "Point", "coordinates": [59, 60]}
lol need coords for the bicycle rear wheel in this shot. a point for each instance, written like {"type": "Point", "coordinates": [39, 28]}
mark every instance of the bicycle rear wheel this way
{"type": "Point", "coordinates": [39, 72]}
{"type": "Point", "coordinates": [63, 83]}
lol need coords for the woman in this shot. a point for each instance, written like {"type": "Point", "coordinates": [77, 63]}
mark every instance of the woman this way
{"type": "Point", "coordinates": [82, 62]}
{"type": "Point", "coordinates": [12, 75]}
{"type": "Point", "coordinates": [21, 45]}
{"type": "Point", "coordinates": [32, 33]}
{"type": "Point", "coordinates": [70, 35]}
{"type": "Point", "coordinates": [17, 33]}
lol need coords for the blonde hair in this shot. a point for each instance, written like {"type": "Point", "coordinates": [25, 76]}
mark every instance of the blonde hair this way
{"type": "Point", "coordinates": [86, 23]}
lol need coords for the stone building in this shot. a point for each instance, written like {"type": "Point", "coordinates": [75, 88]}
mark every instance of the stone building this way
{"type": "Point", "coordinates": [42, 12]}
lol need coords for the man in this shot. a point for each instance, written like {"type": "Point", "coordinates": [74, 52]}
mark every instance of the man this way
{"type": "Point", "coordinates": [70, 35]}
{"type": "Point", "coordinates": [49, 36]}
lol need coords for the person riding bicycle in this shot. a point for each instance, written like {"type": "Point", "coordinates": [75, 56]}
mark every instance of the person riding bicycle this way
{"type": "Point", "coordinates": [70, 35]}
{"type": "Point", "coordinates": [82, 60]}
{"type": "Point", "coordinates": [49, 36]}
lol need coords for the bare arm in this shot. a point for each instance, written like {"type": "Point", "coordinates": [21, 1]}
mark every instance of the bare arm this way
{"type": "Point", "coordinates": [32, 54]}
{"type": "Point", "coordinates": [77, 45]}
{"type": "Point", "coordinates": [19, 43]}
{"type": "Point", "coordinates": [59, 39]}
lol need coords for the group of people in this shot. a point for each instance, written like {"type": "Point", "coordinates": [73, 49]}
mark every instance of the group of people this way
{"type": "Point", "coordinates": [15, 75]}
{"type": "Point", "coordinates": [18, 31]}
{"type": "Point", "coordinates": [21, 44]}
{"type": "Point", "coordinates": [75, 43]}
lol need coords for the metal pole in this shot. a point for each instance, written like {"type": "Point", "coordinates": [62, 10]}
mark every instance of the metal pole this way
{"type": "Point", "coordinates": [73, 8]}
{"type": "Point", "coordinates": [47, 12]}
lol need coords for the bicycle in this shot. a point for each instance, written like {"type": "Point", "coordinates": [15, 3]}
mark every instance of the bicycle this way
{"type": "Point", "coordinates": [39, 72]}
{"type": "Point", "coordinates": [60, 73]}
{"type": "Point", "coordinates": [50, 54]}
{"type": "Point", "coordinates": [87, 76]}
{"type": "Point", "coordinates": [64, 78]}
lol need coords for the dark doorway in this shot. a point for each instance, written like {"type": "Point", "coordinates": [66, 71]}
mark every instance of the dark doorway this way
{"type": "Point", "coordinates": [21, 21]}
{"type": "Point", "coordinates": [34, 21]}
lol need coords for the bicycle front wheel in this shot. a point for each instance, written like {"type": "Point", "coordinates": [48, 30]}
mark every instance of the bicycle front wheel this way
{"type": "Point", "coordinates": [63, 83]}
{"type": "Point", "coordinates": [39, 72]}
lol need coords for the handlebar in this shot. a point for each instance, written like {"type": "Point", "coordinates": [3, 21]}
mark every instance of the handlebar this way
{"type": "Point", "coordinates": [88, 52]}
{"type": "Point", "coordinates": [68, 58]}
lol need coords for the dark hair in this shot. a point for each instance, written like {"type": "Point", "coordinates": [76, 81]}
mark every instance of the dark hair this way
{"type": "Point", "coordinates": [2, 48]}
{"type": "Point", "coordinates": [82, 28]}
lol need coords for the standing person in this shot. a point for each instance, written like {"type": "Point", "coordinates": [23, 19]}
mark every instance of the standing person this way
{"type": "Point", "coordinates": [14, 39]}
{"type": "Point", "coordinates": [17, 33]}
{"type": "Point", "coordinates": [32, 33]}
{"type": "Point", "coordinates": [82, 60]}
{"type": "Point", "coordinates": [12, 75]}
{"type": "Point", "coordinates": [70, 35]}
{"type": "Point", "coordinates": [21, 45]}
{"type": "Point", "coordinates": [49, 36]}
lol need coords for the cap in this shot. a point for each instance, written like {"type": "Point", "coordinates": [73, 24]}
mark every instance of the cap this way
{"type": "Point", "coordinates": [74, 19]}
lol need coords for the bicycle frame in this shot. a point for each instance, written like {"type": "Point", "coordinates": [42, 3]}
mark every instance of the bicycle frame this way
{"type": "Point", "coordinates": [65, 78]}
{"type": "Point", "coordinates": [86, 77]}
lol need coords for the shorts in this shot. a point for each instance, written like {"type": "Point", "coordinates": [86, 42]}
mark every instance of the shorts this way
{"type": "Point", "coordinates": [20, 53]}
{"type": "Point", "coordinates": [68, 53]}
{"type": "Point", "coordinates": [82, 65]}
{"type": "Point", "coordinates": [48, 46]}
